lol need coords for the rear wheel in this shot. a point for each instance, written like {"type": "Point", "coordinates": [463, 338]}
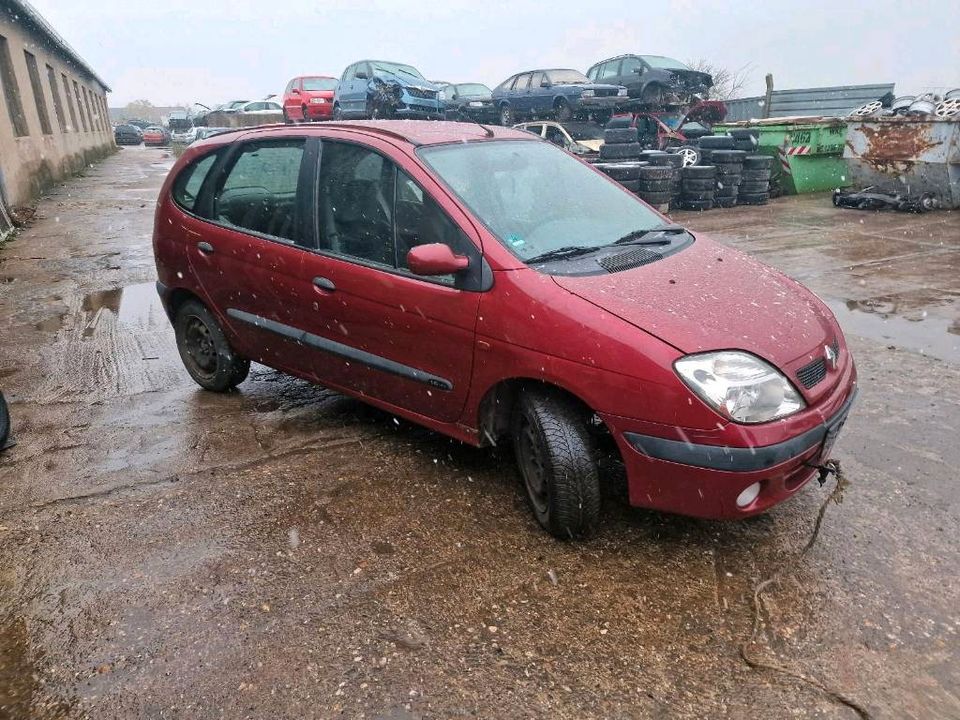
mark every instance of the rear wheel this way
{"type": "Point", "coordinates": [304, 118]}
{"type": "Point", "coordinates": [563, 110]}
{"type": "Point", "coordinates": [506, 116]}
{"type": "Point", "coordinates": [558, 462]}
{"type": "Point", "coordinates": [286, 117]}
{"type": "Point", "coordinates": [204, 349]}
{"type": "Point", "coordinates": [337, 113]}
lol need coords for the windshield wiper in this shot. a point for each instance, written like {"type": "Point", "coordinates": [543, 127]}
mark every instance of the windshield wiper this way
{"type": "Point", "coordinates": [636, 236]}
{"type": "Point", "coordinates": [568, 251]}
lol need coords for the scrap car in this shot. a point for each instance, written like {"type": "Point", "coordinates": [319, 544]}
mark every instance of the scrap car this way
{"type": "Point", "coordinates": [562, 94]}
{"type": "Point", "coordinates": [468, 101]}
{"type": "Point", "coordinates": [579, 138]}
{"type": "Point", "coordinates": [653, 80]}
{"type": "Point", "coordinates": [381, 89]}
{"type": "Point", "coordinates": [490, 286]}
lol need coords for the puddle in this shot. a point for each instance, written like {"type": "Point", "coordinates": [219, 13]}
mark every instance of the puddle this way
{"type": "Point", "coordinates": [135, 306]}
{"type": "Point", "coordinates": [931, 335]}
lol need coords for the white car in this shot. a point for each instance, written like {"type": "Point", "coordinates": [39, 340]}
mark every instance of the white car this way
{"type": "Point", "coordinates": [580, 138]}
{"type": "Point", "coordinates": [261, 107]}
{"type": "Point", "coordinates": [185, 137]}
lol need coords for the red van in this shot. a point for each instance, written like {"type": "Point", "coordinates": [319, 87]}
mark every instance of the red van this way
{"type": "Point", "coordinates": [490, 286]}
{"type": "Point", "coordinates": [309, 98]}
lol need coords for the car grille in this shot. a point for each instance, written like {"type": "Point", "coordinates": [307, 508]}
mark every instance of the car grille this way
{"type": "Point", "coordinates": [426, 94]}
{"type": "Point", "coordinates": [608, 92]}
{"type": "Point", "coordinates": [812, 373]}
{"type": "Point", "coordinates": [628, 260]}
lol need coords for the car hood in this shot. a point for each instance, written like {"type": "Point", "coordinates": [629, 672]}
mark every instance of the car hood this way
{"type": "Point", "coordinates": [407, 82]}
{"type": "Point", "coordinates": [694, 77]}
{"type": "Point", "coordinates": [709, 297]}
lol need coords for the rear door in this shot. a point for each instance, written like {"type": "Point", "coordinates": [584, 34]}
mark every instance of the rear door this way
{"type": "Point", "coordinates": [379, 330]}
{"type": "Point", "coordinates": [629, 75]}
{"type": "Point", "coordinates": [243, 250]}
{"type": "Point", "coordinates": [346, 91]}
{"type": "Point", "coordinates": [539, 99]}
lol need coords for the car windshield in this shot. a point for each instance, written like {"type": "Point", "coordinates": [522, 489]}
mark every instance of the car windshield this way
{"type": "Point", "coordinates": [317, 84]}
{"type": "Point", "coordinates": [663, 63]}
{"type": "Point", "coordinates": [584, 131]}
{"type": "Point", "coordinates": [567, 77]}
{"type": "Point", "coordinates": [473, 90]}
{"type": "Point", "coordinates": [536, 198]}
{"type": "Point", "coordinates": [387, 68]}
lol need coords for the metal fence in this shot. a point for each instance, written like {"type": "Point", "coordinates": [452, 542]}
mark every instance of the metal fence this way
{"type": "Point", "coordinates": [830, 101]}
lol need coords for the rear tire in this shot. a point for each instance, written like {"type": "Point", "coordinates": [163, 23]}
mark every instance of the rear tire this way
{"type": "Point", "coordinates": [305, 119]}
{"type": "Point", "coordinates": [204, 349]}
{"type": "Point", "coordinates": [337, 113]}
{"type": "Point", "coordinates": [564, 111]}
{"type": "Point", "coordinates": [557, 461]}
{"type": "Point", "coordinates": [506, 116]}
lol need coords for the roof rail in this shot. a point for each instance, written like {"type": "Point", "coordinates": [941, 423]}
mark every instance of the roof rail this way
{"type": "Point", "coordinates": [372, 128]}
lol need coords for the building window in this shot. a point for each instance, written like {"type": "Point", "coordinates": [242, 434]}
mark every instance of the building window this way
{"type": "Point", "coordinates": [11, 91]}
{"type": "Point", "coordinates": [38, 96]}
{"type": "Point", "coordinates": [57, 103]}
{"type": "Point", "coordinates": [73, 112]}
{"type": "Point", "coordinates": [83, 118]}
{"type": "Point", "coordinates": [86, 103]}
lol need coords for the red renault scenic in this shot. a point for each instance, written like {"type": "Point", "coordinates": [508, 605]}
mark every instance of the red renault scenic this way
{"type": "Point", "coordinates": [490, 286]}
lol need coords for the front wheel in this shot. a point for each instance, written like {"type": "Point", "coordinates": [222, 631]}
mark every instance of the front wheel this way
{"type": "Point", "coordinates": [506, 116]}
{"type": "Point", "coordinates": [204, 349]}
{"type": "Point", "coordinates": [557, 460]}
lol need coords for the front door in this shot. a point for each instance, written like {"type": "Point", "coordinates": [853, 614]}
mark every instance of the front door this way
{"type": "Point", "coordinates": [383, 332]}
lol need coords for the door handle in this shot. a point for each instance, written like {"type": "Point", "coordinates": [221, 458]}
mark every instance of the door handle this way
{"type": "Point", "coordinates": [205, 247]}
{"type": "Point", "coordinates": [324, 284]}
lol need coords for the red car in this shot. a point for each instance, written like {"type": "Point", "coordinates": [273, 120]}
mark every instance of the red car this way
{"type": "Point", "coordinates": [490, 286]}
{"type": "Point", "coordinates": [156, 136]}
{"type": "Point", "coordinates": [309, 98]}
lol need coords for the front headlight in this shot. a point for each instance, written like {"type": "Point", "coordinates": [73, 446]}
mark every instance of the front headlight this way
{"type": "Point", "coordinates": [476, 103]}
{"type": "Point", "coordinates": [588, 93]}
{"type": "Point", "coordinates": [740, 386]}
{"type": "Point", "coordinates": [317, 101]}
{"type": "Point", "coordinates": [622, 92]}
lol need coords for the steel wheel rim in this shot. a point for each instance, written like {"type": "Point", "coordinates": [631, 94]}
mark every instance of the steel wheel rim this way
{"type": "Point", "coordinates": [534, 468]}
{"type": "Point", "coordinates": [199, 346]}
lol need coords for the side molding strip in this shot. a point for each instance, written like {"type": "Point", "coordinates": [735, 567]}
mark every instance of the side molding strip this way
{"type": "Point", "coordinates": [345, 351]}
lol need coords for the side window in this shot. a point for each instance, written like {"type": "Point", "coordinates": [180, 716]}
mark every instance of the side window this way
{"type": "Point", "coordinates": [348, 73]}
{"type": "Point", "coordinates": [609, 70]}
{"type": "Point", "coordinates": [355, 203]}
{"type": "Point", "coordinates": [630, 66]}
{"type": "Point", "coordinates": [537, 80]}
{"type": "Point", "coordinates": [592, 72]}
{"type": "Point", "coordinates": [421, 221]}
{"type": "Point", "coordinates": [522, 82]}
{"type": "Point", "coordinates": [186, 188]}
{"type": "Point", "coordinates": [260, 190]}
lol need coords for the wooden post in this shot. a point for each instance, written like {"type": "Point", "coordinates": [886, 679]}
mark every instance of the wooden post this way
{"type": "Point", "coordinates": [769, 97]}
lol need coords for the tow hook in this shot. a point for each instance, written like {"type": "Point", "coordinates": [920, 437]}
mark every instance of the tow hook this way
{"type": "Point", "coordinates": [828, 468]}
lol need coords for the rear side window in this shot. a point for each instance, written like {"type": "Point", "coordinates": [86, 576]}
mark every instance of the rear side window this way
{"type": "Point", "coordinates": [260, 191]}
{"type": "Point", "coordinates": [630, 65]}
{"type": "Point", "coordinates": [609, 70]}
{"type": "Point", "coordinates": [186, 188]}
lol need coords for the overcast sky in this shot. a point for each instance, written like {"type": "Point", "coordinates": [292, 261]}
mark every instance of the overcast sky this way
{"type": "Point", "coordinates": [180, 51]}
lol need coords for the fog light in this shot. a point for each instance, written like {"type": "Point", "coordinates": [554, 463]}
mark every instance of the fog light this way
{"type": "Point", "coordinates": [748, 495]}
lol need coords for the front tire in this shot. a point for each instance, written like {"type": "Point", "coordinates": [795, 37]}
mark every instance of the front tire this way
{"type": "Point", "coordinates": [506, 116]}
{"type": "Point", "coordinates": [557, 460]}
{"type": "Point", "coordinates": [204, 349]}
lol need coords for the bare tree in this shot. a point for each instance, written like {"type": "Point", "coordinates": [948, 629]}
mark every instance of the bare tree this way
{"type": "Point", "coordinates": [727, 83]}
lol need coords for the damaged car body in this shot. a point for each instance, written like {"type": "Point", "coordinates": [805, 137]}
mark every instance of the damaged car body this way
{"type": "Point", "coordinates": [380, 89]}
{"type": "Point", "coordinates": [490, 286]}
{"type": "Point", "coordinates": [653, 80]}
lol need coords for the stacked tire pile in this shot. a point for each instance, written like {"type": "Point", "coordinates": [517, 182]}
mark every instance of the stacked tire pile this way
{"type": "Point", "coordinates": [626, 173]}
{"type": "Point", "coordinates": [620, 144]}
{"type": "Point", "coordinates": [729, 174]}
{"type": "Point", "coordinates": [675, 163]}
{"type": "Point", "coordinates": [656, 185]}
{"type": "Point", "coordinates": [755, 184]}
{"type": "Point", "coordinates": [698, 185]}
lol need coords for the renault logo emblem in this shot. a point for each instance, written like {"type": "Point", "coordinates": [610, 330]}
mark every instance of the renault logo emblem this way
{"type": "Point", "coordinates": [831, 356]}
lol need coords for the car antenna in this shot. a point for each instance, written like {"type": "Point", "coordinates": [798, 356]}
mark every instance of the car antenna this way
{"type": "Point", "coordinates": [488, 131]}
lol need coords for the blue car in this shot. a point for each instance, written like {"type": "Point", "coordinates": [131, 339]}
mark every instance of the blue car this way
{"type": "Point", "coordinates": [558, 93]}
{"type": "Point", "coordinates": [379, 89]}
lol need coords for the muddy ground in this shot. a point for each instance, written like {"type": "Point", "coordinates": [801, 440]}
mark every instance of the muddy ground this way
{"type": "Point", "coordinates": [283, 552]}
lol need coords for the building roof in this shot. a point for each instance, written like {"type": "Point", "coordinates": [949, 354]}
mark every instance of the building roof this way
{"type": "Point", "coordinates": [23, 11]}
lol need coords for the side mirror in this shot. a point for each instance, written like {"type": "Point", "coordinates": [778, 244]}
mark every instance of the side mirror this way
{"type": "Point", "coordinates": [435, 259]}
{"type": "Point", "coordinates": [361, 75]}
{"type": "Point", "coordinates": [295, 91]}
{"type": "Point", "coordinates": [545, 83]}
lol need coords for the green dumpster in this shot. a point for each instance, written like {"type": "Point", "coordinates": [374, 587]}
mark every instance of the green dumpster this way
{"type": "Point", "coordinates": [808, 151]}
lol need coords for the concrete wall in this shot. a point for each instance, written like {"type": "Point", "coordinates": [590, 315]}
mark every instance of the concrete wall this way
{"type": "Point", "coordinates": [31, 163]}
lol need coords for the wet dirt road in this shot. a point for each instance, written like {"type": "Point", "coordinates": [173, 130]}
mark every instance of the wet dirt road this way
{"type": "Point", "coordinates": [283, 552]}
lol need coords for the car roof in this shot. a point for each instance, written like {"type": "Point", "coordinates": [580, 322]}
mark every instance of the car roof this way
{"type": "Point", "coordinates": [415, 132]}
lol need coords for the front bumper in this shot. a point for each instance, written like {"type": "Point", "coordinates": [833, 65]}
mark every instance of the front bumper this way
{"type": "Point", "coordinates": [705, 480]}
{"type": "Point", "coordinates": [418, 112]}
{"type": "Point", "coordinates": [610, 102]}
{"type": "Point", "coordinates": [485, 113]}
